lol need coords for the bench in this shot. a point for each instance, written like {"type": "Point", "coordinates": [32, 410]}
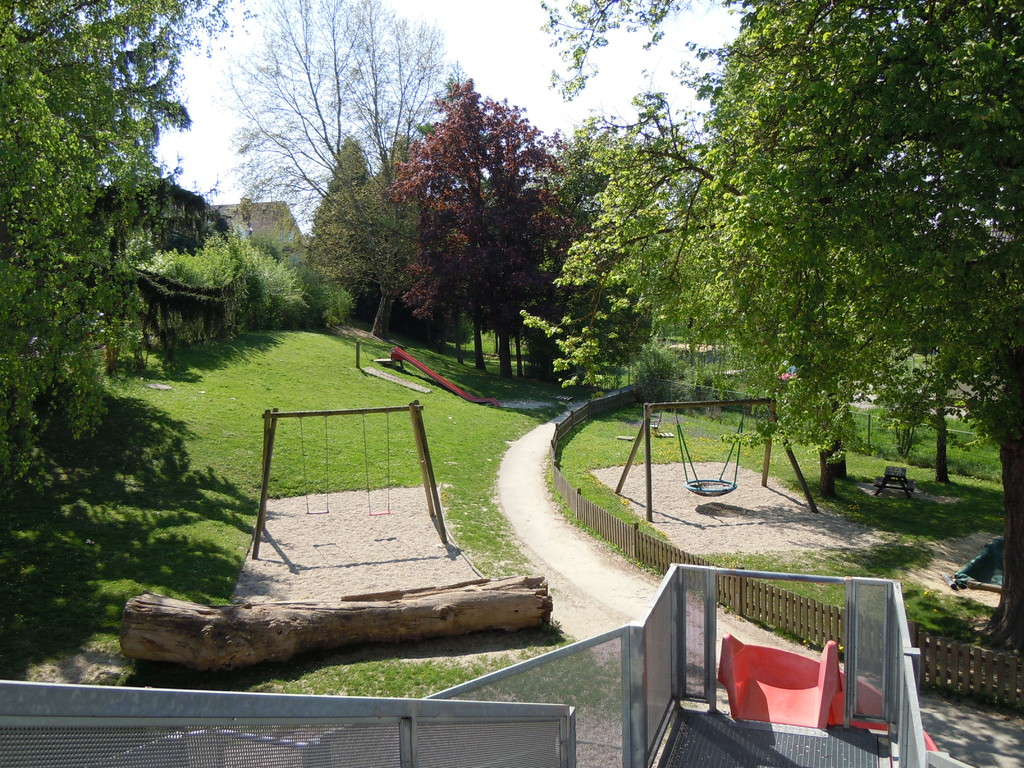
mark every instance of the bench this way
{"type": "Point", "coordinates": [894, 477]}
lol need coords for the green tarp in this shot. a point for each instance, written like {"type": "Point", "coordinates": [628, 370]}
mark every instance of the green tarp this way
{"type": "Point", "coordinates": [987, 567]}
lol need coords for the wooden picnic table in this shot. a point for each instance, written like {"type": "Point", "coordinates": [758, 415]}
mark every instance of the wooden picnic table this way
{"type": "Point", "coordinates": [894, 477]}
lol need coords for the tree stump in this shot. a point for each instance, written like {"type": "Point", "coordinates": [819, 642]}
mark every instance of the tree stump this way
{"type": "Point", "coordinates": [159, 628]}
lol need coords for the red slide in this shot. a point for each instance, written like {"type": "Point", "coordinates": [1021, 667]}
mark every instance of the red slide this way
{"type": "Point", "coordinates": [398, 354]}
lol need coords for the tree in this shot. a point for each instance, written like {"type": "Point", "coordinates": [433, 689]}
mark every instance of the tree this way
{"type": "Point", "coordinates": [860, 179]}
{"type": "Point", "coordinates": [591, 304]}
{"type": "Point", "coordinates": [360, 237]}
{"type": "Point", "coordinates": [488, 221]}
{"type": "Point", "coordinates": [85, 88]}
{"type": "Point", "coordinates": [330, 70]}
{"type": "Point", "coordinates": [332, 76]}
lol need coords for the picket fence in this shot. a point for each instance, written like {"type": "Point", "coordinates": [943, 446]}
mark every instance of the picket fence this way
{"type": "Point", "coordinates": [948, 665]}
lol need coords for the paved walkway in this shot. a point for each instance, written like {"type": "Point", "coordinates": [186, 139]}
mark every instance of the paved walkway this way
{"type": "Point", "coordinates": [594, 590]}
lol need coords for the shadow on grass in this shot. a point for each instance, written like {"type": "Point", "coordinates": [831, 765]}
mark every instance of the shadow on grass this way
{"type": "Point", "coordinates": [396, 669]}
{"type": "Point", "coordinates": [191, 360]}
{"type": "Point", "coordinates": [109, 516]}
{"type": "Point", "coordinates": [476, 382]}
{"type": "Point", "coordinates": [976, 508]}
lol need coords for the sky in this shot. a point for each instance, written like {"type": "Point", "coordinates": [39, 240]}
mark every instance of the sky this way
{"type": "Point", "coordinates": [498, 43]}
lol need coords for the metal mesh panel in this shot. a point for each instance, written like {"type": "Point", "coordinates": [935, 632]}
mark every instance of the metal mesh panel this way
{"type": "Point", "coordinates": [494, 745]}
{"type": "Point", "coordinates": [691, 646]}
{"type": "Point", "coordinates": [658, 652]}
{"type": "Point", "coordinates": [870, 646]}
{"type": "Point", "coordinates": [591, 681]}
{"type": "Point", "coordinates": [246, 746]}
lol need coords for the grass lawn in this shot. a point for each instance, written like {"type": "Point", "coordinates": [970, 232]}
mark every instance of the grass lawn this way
{"type": "Point", "coordinates": [164, 495]}
{"type": "Point", "coordinates": [909, 525]}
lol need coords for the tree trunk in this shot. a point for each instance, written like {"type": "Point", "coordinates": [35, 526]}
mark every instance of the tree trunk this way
{"type": "Point", "coordinates": [161, 628]}
{"type": "Point", "coordinates": [382, 320]}
{"type": "Point", "coordinates": [457, 320]}
{"type": "Point", "coordinates": [478, 345]}
{"type": "Point", "coordinates": [504, 354]}
{"type": "Point", "coordinates": [941, 435]}
{"type": "Point", "coordinates": [827, 482]}
{"type": "Point", "coordinates": [519, 353]}
{"type": "Point", "coordinates": [1007, 624]}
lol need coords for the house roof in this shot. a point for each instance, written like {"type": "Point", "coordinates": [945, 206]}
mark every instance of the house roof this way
{"type": "Point", "coordinates": [273, 219]}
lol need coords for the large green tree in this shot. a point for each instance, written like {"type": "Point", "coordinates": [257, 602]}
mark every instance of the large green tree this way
{"type": "Point", "coordinates": [85, 88]}
{"type": "Point", "coordinates": [360, 236]}
{"type": "Point", "coordinates": [854, 194]}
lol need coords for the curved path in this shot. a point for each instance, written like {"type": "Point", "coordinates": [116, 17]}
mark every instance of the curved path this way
{"type": "Point", "coordinates": [595, 590]}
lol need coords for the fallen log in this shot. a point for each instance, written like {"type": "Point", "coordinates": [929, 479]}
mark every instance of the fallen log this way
{"type": "Point", "coordinates": [159, 628]}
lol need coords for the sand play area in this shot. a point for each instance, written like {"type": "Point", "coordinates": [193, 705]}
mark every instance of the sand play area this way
{"type": "Point", "coordinates": [375, 542]}
{"type": "Point", "coordinates": [750, 519]}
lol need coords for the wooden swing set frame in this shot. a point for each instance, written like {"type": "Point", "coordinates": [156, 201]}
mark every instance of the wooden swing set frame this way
{"type": "Point", "coordinates": [415, 410]}
{"type": "Point", "coordinates": [644, 436]}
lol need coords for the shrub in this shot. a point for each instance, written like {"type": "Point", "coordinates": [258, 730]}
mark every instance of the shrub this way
{"type": "Point", "coordinates": [267, 293]}
{"type": "Point", "coordinates": [655, 368]}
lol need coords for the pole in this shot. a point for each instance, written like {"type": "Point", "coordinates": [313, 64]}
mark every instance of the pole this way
{"type": "Point", "coordinates": [767, 461]}
{"type": "Point", "coordinates": [427, 470]}
{"type": "Point", "coordinates": [647, 464]}
{"type": "Point", "coordinates": [796, 466]}
{"type": "Point", "coordinates": [644, 427]}
{"type": "Point", "coordinates": [269, 428]}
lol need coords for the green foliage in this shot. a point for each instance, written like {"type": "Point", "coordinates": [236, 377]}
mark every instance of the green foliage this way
{"type": "Point", "coordinates": [85, 89]}
{"type": "Point", "coordinates": [361, 238]}
{"type": "Point", "coordinates": [654, 369]}
{"type": "Point", "coordinates": [328, 304]}
{"type": "Point", "coordinates": [267, 293]}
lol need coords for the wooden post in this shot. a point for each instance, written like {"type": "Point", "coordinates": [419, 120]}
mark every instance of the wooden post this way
{"type": "Point", "coordinates": [358, 350]}
{"type": "Point", "coordinates": [427, 470]}
{"type": "Point", "coordinates": [269, 428]}
{"type": "Point", "coordinates": [796, 466]}
{"type": "Point", "coordinates": [767, 461]}
{"type": "Point", "coordinates": [647, 464]}
{"type": "Point", "coordinates": [644, 426]}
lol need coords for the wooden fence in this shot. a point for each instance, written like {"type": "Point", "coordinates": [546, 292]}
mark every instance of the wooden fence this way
{"type": "Point", "coordinates": [945, 664]}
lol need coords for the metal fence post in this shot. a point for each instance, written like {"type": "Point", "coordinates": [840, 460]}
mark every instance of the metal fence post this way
{"type": "Point", "coordinates": [634, 714]}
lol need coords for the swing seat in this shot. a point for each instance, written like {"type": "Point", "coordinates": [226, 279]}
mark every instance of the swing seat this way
{"type": "Point", "coordinates": [710, 487]}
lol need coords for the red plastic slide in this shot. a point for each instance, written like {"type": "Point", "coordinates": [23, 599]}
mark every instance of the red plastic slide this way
{"type": "Point", "coordinates": [775, 686]}
{"type": "Point", "coordinates": [398, 354]}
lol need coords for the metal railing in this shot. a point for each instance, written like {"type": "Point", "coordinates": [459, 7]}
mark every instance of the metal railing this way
{"type": "Point", "coordinates": [59, 726]}
{"type": "Point", "coordinates": [669, 656]}
{"type": "Point", "coordinates": [604, 702]}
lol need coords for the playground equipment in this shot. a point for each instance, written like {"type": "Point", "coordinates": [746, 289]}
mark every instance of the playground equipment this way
{"type": "Point", "coordinates": [400, 355]}
{"type": "Point", "coordinates": [985, 571]}
{"type": "Point", "coordinates": [775, 686]}
{"type": "Point", "coordinates": [695, 486]}
{"type": "Point", "coordinates": [770, 685]}
{"type": "Point", "coordinates": [709, 486]}
{"type": "Point", "coordinates": [270, 419]}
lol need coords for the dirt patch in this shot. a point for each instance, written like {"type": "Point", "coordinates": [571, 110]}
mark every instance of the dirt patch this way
{"type": "Point", "coordinates": [750, 519]}
{"type": "Point", "coordinates": [90, 667]}
{"type": "Point", "coordinates": [897, 493]}
{"type": "Point", "coordinates": [948, 557]}
{"type": "Point", "coordinates": [374, 542]}
{"type": "Point", "coordinates": [527, 405]}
